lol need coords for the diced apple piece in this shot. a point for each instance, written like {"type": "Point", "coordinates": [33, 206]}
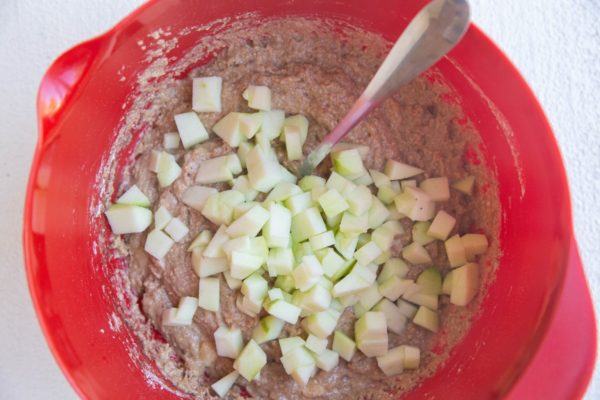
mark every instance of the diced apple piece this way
{"type": "Point", "coordinates": [350, 284]}
{"type": "Point", "coordinates": [447, 285]}
{"type": "Point", "coordinates": [168, 170]}
{"type": "Point", "coordinates": [342, 146]}
{"type": "Point", "coordinates": [414, 253]}
{"type": "Point", "coordinates": [393, 267]}
{"type": "Point", "coordinates": [474, 244]}
{"type": "Point", "coordinates": [249, 305]}
{"type": "Point", "coordinates": [187, 308]}
{"type": "Point", "coordinates": [242, 185]}
{"type": "Point", "coordinates": [321, 324]}
{"type": "Point", "coordinates": [379, 178]}
{"type": "Point", "coordinates": [327, 360]}
{"type": "Point", "coordinates": [377, 214]}
{"type": "Point", "coordinates": [171, 140]}
{"type": "Point", "coordinates": [394, 287]}
{"type": "Point", "coordinates": [419, 233]}
{"type": "Point", "coordinates": [314, 300]}
{"type": "Point", "coordinates": [280, 262]}
{"type": "Point", "coordinates": [423, 208]}
{"type": "Point", "coordinates": [158, 244]}
{"type": "Point", "coordinates": [250, 123]}
{"type": "Point", "coordinates": [251, 360]}
{"type": "Point", "coordinates": [255, 287]}
{"type": "Point", "coordinates": [286, 175]}
{"type": "Point", "coordinates": [364, 180]}
{"type": "Point", "coordinates": [258, 97]}
{"type": "Point", "coordinates": [206, 95]}
{"type": "Point", "coordinates": [308, 273]}
{"type": "Point", "coordinates": [243, 264]}
{"type": "Point", "coordinates": [208, 294]}
{"type": "Point", "coordinates": [269, 328]}
{"type": "Point", "coordinates": [339, 183]}
{"type": "Point", "coordinates": [169, 318]}
{"type": "Point", "coordinates": [290, 343]}
{"type": "Point", "coordinates": [299, 202]}
{"type": "Point", "coordinates": [134, 197]}
{"type": "Point", "coordinates": [416, 295]}
{"type": "Point", "coordinates": [465, 283]}
{"type": "Point", "coordinates": [465, 184]}
{"type": "Point", "coordinates": [306, 224]}
{"type": "Point", "coordinates": [333, 203]}
{"type": "Point", "coordinates": [218, 169]}
{"type": "Point", "coordinates": [299, 121]}
{"type": "Point", "coordinates": [285, 283]}
{"type": "Point", "coordinates": [436, 188]}
{"type": "Point", "coordinates": [176, 229]}
{"type": "Point", "coordinates": [455, 251]}
{"type": "Point", "coordinates": [396, 170]}
{"type": "Point", "coordinates": [348, 163]}
{"type": "Point", "coordinates": [370, 297]}
{"type": "Point", "coordinates": [229, 342]}
{"type": "Point", "coordinates": [272, 123]}
{"type": "Point", "coordinates": [284, 311]}
{"type": "Point", "coordinates": [293, 142]}
{"type": "Point", "coordinates": [359, 200]}
{"type": "Point", "coordinates": [384, 235]}
{"type": "Point", "coordinates": [407, 309]}
{"type": "Point", "coordinates": [275, 294]}
{"type": "Point", "coordinates": [343, 345]}
{"type": "Point", "coordinates": [352, 224]}
{"type": "Point", "coordinates": [250, 223]}
{"type": "Point", "coordinates": [412, 357]}
{"type": "Point", "coordinates": [430, 281]}
{"type": "Point", "coordinates": [395, 319]}
{"type": "Point", "coordinates": [214, 247]}
{"type": "Point", "coordinates": [315, 344]}
{"type": "Point", "coordinates": [295, 358]}
{"type": "Point", "coordinates": [190, 128]}
{"type": "Point", "coordinates": [228, 129]}
{"type": "Point", "coordinates": [195, 196]}
{"type": "Point", "coordinates": [370, 332]}
{"type": "Point", "coordinates": [394, 214]}
{"type": "Point", "coordinates": [218, 207]}
{"type": "Point", "coordinates": [162, 216]}
{"type": "Point", "coordinates": [202, 240]}
{"type": "Point", "coordinates": [223, 385]}
{"type": "Point", "coordinates": [367, 253]}
{"type": "Point", "coordinates": [441, 226]}
{"type": "Point", "coordinates": [264, 172]}
{"type": "Point", "coordinates": [205, 266]}
{"type": "Point", "coordinates": [322, 240]}
{"type": "Point", "coordinates": [427, 319]}
{"type": "Point", "coordinates": [154, 160]}
{"type": "Point", "coordinates": [332, 263]}
{"type": "Point", "coordinates": [303, 374]}
{"type": "Point", "coordinates": [283, 191]}
{"type": "Point", "coordinates": [387, 194]}
{"type": "Point", "coordinates": [128, 218]}
{"type": "Point", "coordinates": [392, 363]}
{"type": "Point", "coordinates": [309, 182]}
{"type": "Point", "coordinates": [232, 282]}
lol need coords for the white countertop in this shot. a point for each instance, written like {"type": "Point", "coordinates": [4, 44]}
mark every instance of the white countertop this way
{"type": "Point", "coordinates": [556, 47]}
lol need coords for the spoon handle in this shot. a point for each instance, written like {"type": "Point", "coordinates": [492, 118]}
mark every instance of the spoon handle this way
{"type": "Point", "coordinates": [432, 33]}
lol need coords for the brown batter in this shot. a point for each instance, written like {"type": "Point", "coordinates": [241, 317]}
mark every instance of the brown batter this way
{"type": "Point", "coordinates": [312, 72]}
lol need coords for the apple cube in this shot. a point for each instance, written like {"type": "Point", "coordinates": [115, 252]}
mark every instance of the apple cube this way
{"type": "Point", "coordinates": [258, 97]}
{"type": "Point", "coordinates": [377, 214]}
{"type": "Point", "coordinates": [280, 262]}
{"type": "Point", "coordinates": [339, 183]}
{"type": "Point", "coordinates": [176, 229]}
{"type": "Point", "coordinates": [322, 240]}
{"type": "Point", "coordinates": [250, 123]}
{"type": "Point", "coordinates": [333, 203]}
{"type": "Point", "coordinates": [206, 94]}
{"type": "Point", "coordinates": [441, 226]}
{"type": "Point", "coordinates": [243, 264]}
{"type": "Point", "coordinates": [299, 202]}
{"type": "Point", "coordinates": [348, 163]}
{"type": "Point", "coordinates": [283, 310]}
{"type": "Point", "coordinates": [285, 283]}
{"type": "Point", "coordinates": [465, 283]}
{"type": "Point", "coordinates": [162, 216]}
{"type": "Point", "coordinates": [370, 332]}
{"type": "Point", "coordinates": [394, 287]}
{"type": "Point", "coordinates": [370, 297]}
{"type": "Point", "coordinates": [332, 263]}
{"type": "Point", "coordinates": [447, 284]}
{"type": "Point", "coordinates": [455, 251]}
{"type": "Point", "coordinates": [412, 357]}
{"type": "Point", "coordinates": [343, 345]}
{"type": "Point", "coordinates": [424, 207]}
{"type": "Point", "coordinates": [214, 247]}
{"type": "Point", "coordinates": [396, 170]}
{"type": "Point", "coordinates": [250, 223]}
{"type": "Point", "coordinates": [314, 300]}
{"type": "Point", "coordinates": [360, 200]}
{"type": "Point", "coordinates": [293, 142]}
{"type": "Point", "coordinates": [315, 344]}
{"type": "Point", "coordinates": [465, 184]}
{"type": "Point", "coordinates": [128, 218]}
{"type": "Point", "coordinates": [283, 191]}
{"type": "Point", "coordinates": [407, 309]}
{"type": "Point", "coordinates": [419, 233]}
{"type": "Point", "coordinates": [242, 185]}
{"type": "Point", "coordinates": [264, 172]}
{"type": "Point", "coordinates": [437, 188]}
{"type": "Point", "coordinates": [168, 170]}
{"type": "Point", "coordinates": [393, 267]}
{"type": "Point", "coordinates": [232, 282]}
{"type": "Point", "coordinates": [251, 360]}
{"type": "Point", "coordinates": [352, 224]}
{"type": "Point", "coordinates": [229, 342]}
{"type": "Point", "coordinates": [392, 363]}
{"type": "Point", "coordinates": [384, 235]}
{"type": "Point", "coordinates": [255, 287]}
{"type": "Point", "coordinates": [272, 123]}
{"type": "Point", "coordinates": [306, 224]}
{"type": "Point", "coordinates": [228, 129]}
{"type": "Point", "coordinates": [474, 244]}
{"type": "Point", "coordinates": [430, 280]}
{"type": "Point", "coordinates": [195, 196]}
{"type": "Point", "coordinates": [299, 121]}
{"type": "Point", "coordinates": [327, 360]}
{"type": "Point", "coordinates": [414, 253]}
{"type": "Point", "coordinates": [287, 344]}
{"type": "Point", "coordinates": [154, 161]}
{"type": "Point", "coordinates": [190, 128]}
{"type": "Point", "coordinates": [218, 169]}
{"type": "Point", "coordinates": [169, 318]}
{"type": "Point", "coordinates": [187, 308]}
{"type": "Point", "coordinates": [379, 178]}
{"type": "Point", "coordinates": [134, 197]}
{"type": "Point", "coordinates": [206, 266]}
{"type": "Point", "coordinates": [321, 324]}
{"type": "Point", "coordinates": [171, 140]}
{"type": "Point", "coordinates": [223, 385]}
{"type": "Point", "coordinates": [158, 244]}
{"type": "Point", "coordinates": [310, 182]}
{"type": "Point", "coordinates": [269, 328]}
{"type": "Point", "coordinates": [396, 321]}
{"type": "Point", "coordinates": [208, 294]}
{"type": "Point", "coordinates": [296, 357]}
{"type": "Point", "coordinates": [416, 295]}
{"type": "Point", "coordinates": [387, 194]}
{"type": "Point", "coordinates": [350, 284]}
{"type": "Point", "coordinates": [308, 273]}
{"type": "Point", "coordinates": [427, 319]}
{"type": "Point", "coordinates": [202, 240]}
{"type": "Point", "coordinates": [367, 253]}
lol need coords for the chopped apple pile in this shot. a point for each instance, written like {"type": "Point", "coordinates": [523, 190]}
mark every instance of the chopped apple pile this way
{"type": "Point", "coordinates": [301, 252]}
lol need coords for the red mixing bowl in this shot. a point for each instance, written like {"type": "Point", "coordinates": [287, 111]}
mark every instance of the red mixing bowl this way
{"type": "Point", "coordinates": [535, 337]}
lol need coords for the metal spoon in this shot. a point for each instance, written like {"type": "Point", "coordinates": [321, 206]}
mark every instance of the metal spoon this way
{"type": "Point", "coordinates": [431, 34]}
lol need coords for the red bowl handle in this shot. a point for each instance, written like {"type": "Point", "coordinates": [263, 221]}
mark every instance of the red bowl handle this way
{"type": "Point", "coordinates": [563, 365]}
{"type": "Point", "coordinates": [62, 79]}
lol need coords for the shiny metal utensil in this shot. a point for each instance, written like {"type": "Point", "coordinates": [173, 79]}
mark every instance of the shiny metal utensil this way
{"type": "Point", "coordinates": [432, 33]}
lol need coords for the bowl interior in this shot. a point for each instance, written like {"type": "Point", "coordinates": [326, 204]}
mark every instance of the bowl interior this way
{"type": "Point", "coordinates": [81, 102]}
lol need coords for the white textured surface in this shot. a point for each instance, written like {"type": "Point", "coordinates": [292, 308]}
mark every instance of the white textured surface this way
{"type": "Point", "coordinates": [555, 44]}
